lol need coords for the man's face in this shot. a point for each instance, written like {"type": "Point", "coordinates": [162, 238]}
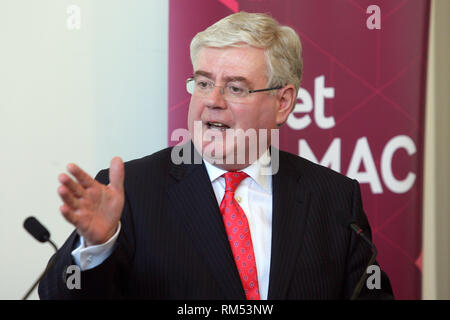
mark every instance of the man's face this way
{"type": "Point", "coordinates": [258, 110]}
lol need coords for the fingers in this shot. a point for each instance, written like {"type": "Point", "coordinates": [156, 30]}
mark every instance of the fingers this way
{"type": "Point", "coordinates": [68, 197]}
{"type": "Point", "coordinates": [116, 173]}
{"type": "Point", "coordinates": [74, 187]}
{"type": "Point", "coordinates": [70, 192]}
{"type": "Point", "coordinates": [82, 177]}
{"type": "Point", "coordinates": [68, 213]}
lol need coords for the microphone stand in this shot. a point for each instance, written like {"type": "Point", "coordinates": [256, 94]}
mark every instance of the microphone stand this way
{"type": "Point", "coordinates": [47, 269]}
{"type": "Point", "coordinates": [360, 284]}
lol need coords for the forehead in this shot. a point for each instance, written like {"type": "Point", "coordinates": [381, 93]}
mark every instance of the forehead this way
{"type": "Point", "coordinates": [246, 61]}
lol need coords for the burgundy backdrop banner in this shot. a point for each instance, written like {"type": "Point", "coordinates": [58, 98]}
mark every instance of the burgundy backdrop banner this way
{"type": "Point", "coordinates": [360, 109]}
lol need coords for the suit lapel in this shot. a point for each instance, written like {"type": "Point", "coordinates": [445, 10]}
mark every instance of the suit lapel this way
{"type": "Point", "coordinates": [193, 202]}
{"type": "Point", "coordinates": [289, 216]}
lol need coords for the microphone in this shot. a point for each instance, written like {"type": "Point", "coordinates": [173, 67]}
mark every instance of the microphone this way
{"type": "Point", "coordinates": [41, 234]}
{"type": "Point", "coordinates": [349, 222]}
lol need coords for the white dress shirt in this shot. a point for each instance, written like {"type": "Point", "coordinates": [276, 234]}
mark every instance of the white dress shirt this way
{"type": "Point", "coordinates": [254, 195]}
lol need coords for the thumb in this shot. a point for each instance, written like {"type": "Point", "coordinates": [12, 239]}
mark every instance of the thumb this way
{"type": "Point", "coordinates": [116, 173]}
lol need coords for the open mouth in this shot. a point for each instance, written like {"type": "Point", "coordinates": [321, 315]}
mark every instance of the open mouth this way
{"type": "Point", "coordinates": [217, 125]}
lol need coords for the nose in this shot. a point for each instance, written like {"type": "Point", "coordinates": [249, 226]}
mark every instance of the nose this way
{"type": "Point", "coordinates": [216, 98]}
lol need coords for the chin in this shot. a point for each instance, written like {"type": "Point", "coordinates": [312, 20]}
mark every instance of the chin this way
{"type": "Point", "coordinates": [217, 153]}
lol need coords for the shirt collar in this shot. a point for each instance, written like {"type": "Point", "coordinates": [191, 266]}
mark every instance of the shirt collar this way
{"type": "Point", "coordinates": [257, 171]}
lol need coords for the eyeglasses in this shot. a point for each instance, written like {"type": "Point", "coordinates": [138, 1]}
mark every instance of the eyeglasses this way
{"type": "Point", "coordinates": [233, 91]}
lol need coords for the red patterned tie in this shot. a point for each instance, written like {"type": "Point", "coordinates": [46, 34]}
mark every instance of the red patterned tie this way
{"type": "Point", "coordinates": [238, 232]}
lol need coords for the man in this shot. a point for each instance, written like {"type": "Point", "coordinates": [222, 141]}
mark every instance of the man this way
{"type": "Point", "coordinates": [224, 227]}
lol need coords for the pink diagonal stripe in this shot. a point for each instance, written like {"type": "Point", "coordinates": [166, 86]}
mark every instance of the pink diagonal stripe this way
{"type": "Point", "coordinates": [387, 15]}
{"type": "Point", "coordinates": [356, 76]}
{"type": "Point", "coordinates": [380, 89]}
{"type": "Point", "coordinates": [233, 5]}
{"type": "Point", "coordinates": [179, 104]}
{"type": "Point", "coordinates": [396, 246]}
{"type": "Point", "coordinates": [398, 212]}
{"type": "Point", "coordinates": [356, 5]}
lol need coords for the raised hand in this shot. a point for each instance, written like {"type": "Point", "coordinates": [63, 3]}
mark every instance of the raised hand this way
{"type": "Point", "coordinates": [93, 208]}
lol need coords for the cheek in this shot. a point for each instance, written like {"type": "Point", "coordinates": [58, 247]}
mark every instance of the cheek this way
{"type": "Point", "coordinates": [256, 118]}
{"type": "Point", "coordinates": [268, 116]}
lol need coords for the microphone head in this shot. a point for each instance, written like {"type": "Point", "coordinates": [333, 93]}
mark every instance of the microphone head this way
{"type": "Point", "coordinates": [36, 229]}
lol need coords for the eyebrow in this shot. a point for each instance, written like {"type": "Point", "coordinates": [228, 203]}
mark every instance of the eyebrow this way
{"type": "Point", "coordinates": [227, 78]}
{"type": "Point", "coordinates": [203, 73]}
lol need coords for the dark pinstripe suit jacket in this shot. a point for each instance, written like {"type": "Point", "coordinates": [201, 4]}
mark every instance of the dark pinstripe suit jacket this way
{"type": "Point", "coordinates": [173, 244]}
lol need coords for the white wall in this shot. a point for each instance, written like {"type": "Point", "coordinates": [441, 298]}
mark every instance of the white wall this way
{"type": "Point", "coordinates": [71, 96]}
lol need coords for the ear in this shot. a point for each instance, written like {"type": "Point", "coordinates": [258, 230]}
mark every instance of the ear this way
{"type": "Point", "coordinates": [286, 100]}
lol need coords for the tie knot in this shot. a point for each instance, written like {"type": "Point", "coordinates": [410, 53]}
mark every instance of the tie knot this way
{"type": "Point", "coordinates": [233, 179]}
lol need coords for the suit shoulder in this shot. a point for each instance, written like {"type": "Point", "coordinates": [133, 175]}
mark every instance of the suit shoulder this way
{"type": "Point", "coordinates": [156, 158]}
{"type": "Point", "coordinates": [154, 163]}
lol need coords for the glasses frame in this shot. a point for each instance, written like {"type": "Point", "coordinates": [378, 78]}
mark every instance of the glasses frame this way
{"type": "Point", "coordinates": [223, 88]}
